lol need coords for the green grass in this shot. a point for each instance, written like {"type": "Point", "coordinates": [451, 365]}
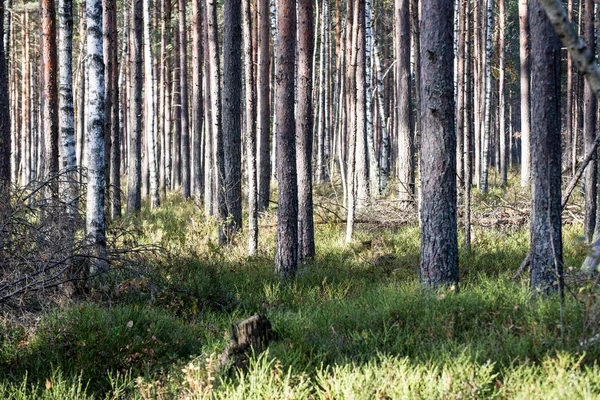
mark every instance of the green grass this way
{"type": "Point", "coordinates": [354, 324]}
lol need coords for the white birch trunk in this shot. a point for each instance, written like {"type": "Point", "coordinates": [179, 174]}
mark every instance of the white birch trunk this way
{"type": "Point", "coordinates": [486, 120]}
{"type": "Point", "coordinates": [95, 221]}
{"type": "Point", "coordinates": [66, 110]}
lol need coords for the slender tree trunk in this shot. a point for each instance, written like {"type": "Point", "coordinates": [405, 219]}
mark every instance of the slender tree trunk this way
{"type": "Point", "coordinates": [286, 257]}
{"type": "Point", "coordinates": [5, 131]}
{"type": "Point", "coordinates": [50, 88]}
{"type": "Point", "coordinates": [177, 112]}
{"type": "Point", "coordinates": [209, 154]}
{"type": "Point", "coordinates": [362, 166]}
{"type": "Point", "coordinates": [439, 246]}
{"type": "Point", "coordinates": [26, 175]}
{"type": "Point", "coordinates": [108, 13]}
{"type": "Point", "coordinates": [525, 79]}
{"type": "Point", "coordinates": [250, 130]}
{"type": "Point", "coordinates": [404, 123]}
{"type": "Point", "coordinates": [116, 120]}
{"type": "Point", "coordinates": [263, 106]}
{"type": "Point", "coordinates": [468, 117]}
{"type": "Point", "coordinates": [304, 131]}
{"type": "Point", "coordinates": [504, 147]}
{"type": "Point", "coordinates": [373, 167]}
{"type": "Point", "coordinates": [351, 119]}
{"type": "Point", "coordinates": [546, 236]}
{"type": "Point", "coordinates": [487, 120]}
{"type": "Point", "coordinates": [67, 112]}
{"type": "Point", "coordinates": [185, 132]}
{"type": "Point", "coordinates": [460, 61]}
{"type": "Point", "coordinates": [134, 175]}
{"type": "Point", "coordinates": [590, 106]}
{"type": "Point", "coordinates": [149, 118]}
{"type": "Point", "coordinates": [232, 82]}
{"type": "Point", "coordinates": [94, 134]}
{"type": "Point", "coordinates": [215, 97]}
{"type": "Point", "coordinates": [384, 157]}
{"type": "Point", "coordinates": [197, 103]}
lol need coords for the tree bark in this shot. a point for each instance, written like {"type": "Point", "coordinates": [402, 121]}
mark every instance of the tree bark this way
{"type": "Point", "coordinates": [504, 147]}
{"type": "Point", "coordinates": [185, 131]}
{"type": "Point", "coordinates": [197, 103]}
{"type": "Point", "coordinates": [250, 130]}
{"type": "Point", "coordinates": [546, 239]}
{"type": "Point", "coordinates": [134, 177]}
{"type": "Point", "coordinates": [486, 129]}
{"type": "Point", "coordinates": [406, 177]}
{"type": "Point", "coordinates": [439, 246]}
{"type": "Point", "coordinates": [94, 135]}
{"type": "Point", "coordinates": [263, 105]}
{"type": "Point", "coordinates": [232, 82]}
{"type": "Point", "coordinates": [286, 257]}
{"type": "Point", "coordinates": [304, 130]}
{"type": "Point", "coordinates": [524, 80]}
{"type": "Point", "coordinates": [50, 88]}
{"type": "Point", "coordinates": [5, 131]}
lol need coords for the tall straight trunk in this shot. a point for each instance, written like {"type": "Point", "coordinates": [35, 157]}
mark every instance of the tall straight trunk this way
{"type": "Point", "coordinates": [67, 112]}
{"type": "Point", "coordinates": [273, 9]}
{"type": "Point", "coordinates": [362, 166]}
{"type": "Point", "coordinates": [590, 106]}
{"type": "Point", "coordinates": [546, 235]}
{"type": "Point", "coordinates": [477, 90]}
{"type": "Point", "coordinates": [94, 134]}
{"type": "Point", "coordinates": [373, 166]}
{"type": "Point", "coordinates": [80, 128]}
{"type": "Point", "coordinates": [231, 99]}
{"type": "Point", "coordinates": [165, 180]}
{"type": "Point", "coordinates": [487, 119]}
{"type": "Point", "coordinates": [415, 19]}
{"type": "Point", "coordinates": [217, 128]}
{"type": "Point", "coordinates": [134, 175]}
{"type": "Point", "coordinates": [525, 101]}
{"type": "Point", "coordinates": [321, 163]}
{"type": "Point", "coordinates": [108, 13]}
{"type": "Point", "coordinates": [439, 246]}
{"type": "Point", "coordinates": [570, 109]}
{"type": "Point", "coordinates": [185, 131]}
{"type": "Point", "coordinates": [263, 105]}
{"type": "Point", "coordinates": [460, 61]}
{"type": "Point", "coordinates": [116, 120]}
{"type": "Point", "coordinates": [26, 175]}
{"type": "Point", "coordinates": [403, 90]}
{"type": "Point", "coordinates": [468, 117]}
{"type": "Point", "coordinates": [209, 154]}
{"type": "Point", "coordinates": [504, 148]}
{"type": "Point", "coordinates": [286, 256]}
{"type": "Point", "coordinates": [177, 112]}
{"type": "Point", "coordinates": [197, 103]}
{"type": "Point", "coordinates": [50, 88]}
{"type": "Point", "coordinates": [384, 157]}
{"type": "Point", "coordinates": [304, 130]}
{"type": "Point", "coordinates": [250, 130]}
{"type": "Point", "coordinates": [350, 131]}
{"type": "Point", "coordinates": [150, 103]}
{"type": "Point", "coordinates": [5, 131]}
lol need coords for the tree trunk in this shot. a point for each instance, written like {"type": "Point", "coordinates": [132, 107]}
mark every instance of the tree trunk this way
{"type": "Point", "coordinates": [403, 90]}
{"type": "Point", "coordinates": [504, 148]}
{"type": "Point", "coordinates": [263, 106]}
{"type": "Point", "coordinates": [134, 175]}
{"type": "Point", "coordinates": [232, 82]}
{"type": "Point", "coordinates": [546, 239]}
{"type": "Point", "coordinates": [525, 79]}
{"type": "Point", "coordinates": [50, 88]}
{"type": "Point", "coordinates": [185, 132]}
{"type": "Point", "coordinates": [286, 257]}
{"type": "Point", "coordinates": [487, 120]}
{"type": "Point", "coordinates": [197, 103]}
{"type": "Point", "coordinates": [149, 118]}
{"type": "Point", "coordinates": [250, 130]}
{"type": "Point", "coordinates": [439, 247]}
{"type": "Point", "coordinates": [362, 166]}
{"type": "Point", "coordinates": [116, 120]}
{"type": "Point", "coordinates": [5, 131]}
{"type": "Point", "coordinates": [94, 135]}
{"type": "Point", "coordinates": [67, 112]}
{"type": "Point", "coordinates": [304, 130]}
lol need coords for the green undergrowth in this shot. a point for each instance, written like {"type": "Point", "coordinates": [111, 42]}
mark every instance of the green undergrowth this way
{"type": "Point", "coordinates": [354, 324]}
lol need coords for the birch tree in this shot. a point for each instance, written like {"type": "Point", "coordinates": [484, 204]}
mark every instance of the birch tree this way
{"type": "Point", "coordinates": [185, 131]}
{"type": "Point", "coordinates": [94, 135]}
{"type": "Point", "coordinates": [487, 119]}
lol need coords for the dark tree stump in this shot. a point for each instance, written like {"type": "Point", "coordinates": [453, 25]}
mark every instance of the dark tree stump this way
{"type": "Point", "coordinates": [251, 334]}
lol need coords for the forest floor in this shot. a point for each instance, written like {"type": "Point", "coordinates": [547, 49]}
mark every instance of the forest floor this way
{"type": "Point", "coordinates": [354, 324]}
